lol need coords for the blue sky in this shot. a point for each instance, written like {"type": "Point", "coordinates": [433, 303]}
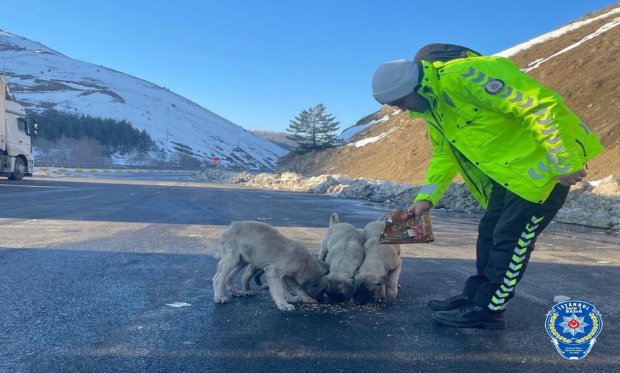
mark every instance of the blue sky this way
{"type": "Point", "coordinates": [259, 63]}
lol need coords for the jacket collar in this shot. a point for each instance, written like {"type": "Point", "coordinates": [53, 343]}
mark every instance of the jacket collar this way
{"type": "Point", "coordinates": [427, 88]}
{"type": "Point", "coordinates": [429, 82]}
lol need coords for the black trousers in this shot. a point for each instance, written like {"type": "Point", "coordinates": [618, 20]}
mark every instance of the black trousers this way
{"type": "Point", "coordinates": [506, 237]}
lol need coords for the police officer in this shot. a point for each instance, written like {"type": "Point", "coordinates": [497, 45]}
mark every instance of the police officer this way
{"type": "Point", "coordinates": [518, 149]}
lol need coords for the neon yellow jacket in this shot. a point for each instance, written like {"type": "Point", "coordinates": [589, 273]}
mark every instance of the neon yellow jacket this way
{"type": "Point", "coordinates": [488, 120]}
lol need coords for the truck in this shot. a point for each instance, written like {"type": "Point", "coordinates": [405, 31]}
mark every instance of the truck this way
{"type": "Point", "coordinates": [16, 130]}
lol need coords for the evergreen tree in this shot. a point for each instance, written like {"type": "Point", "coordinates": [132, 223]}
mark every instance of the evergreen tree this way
{"type": "Point", "coordinates": [113, 135]}
{"type": "Point", "coordinates": [326, 128]}
{"type": "Point", "coordinates": [313, 128]}
{"type": "Point", "coordinates": [299, 129]}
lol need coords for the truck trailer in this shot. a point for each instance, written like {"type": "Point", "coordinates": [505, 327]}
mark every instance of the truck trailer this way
{"type": "Point", "coordinates": [16, 160]}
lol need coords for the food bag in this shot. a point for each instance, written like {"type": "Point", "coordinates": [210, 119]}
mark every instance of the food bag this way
{"type": "Point", "coordinates": [402, 227]}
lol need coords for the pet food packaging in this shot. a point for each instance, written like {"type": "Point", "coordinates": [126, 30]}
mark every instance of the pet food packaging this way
{"type": "Point", "coordinates": [402, 227]}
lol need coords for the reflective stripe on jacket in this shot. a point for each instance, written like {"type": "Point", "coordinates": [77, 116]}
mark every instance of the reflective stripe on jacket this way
{"type": "Point", "coordinates": [488, 120]}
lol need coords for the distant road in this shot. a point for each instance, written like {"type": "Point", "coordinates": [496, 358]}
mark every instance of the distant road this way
{"type": "Point", "coordinates": [110, 274]}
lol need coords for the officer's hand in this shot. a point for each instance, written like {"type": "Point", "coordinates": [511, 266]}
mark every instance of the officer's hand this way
{"type": "Point", "coordinates": [572, 179]}
{"type": "Point", "coordinates": [419, 207]}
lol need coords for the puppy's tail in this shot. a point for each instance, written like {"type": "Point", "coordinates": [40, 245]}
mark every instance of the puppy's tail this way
{"type": "Point", "coordinates": [213, 247]}
{"type": "Point", "coordinates": [334, 219]}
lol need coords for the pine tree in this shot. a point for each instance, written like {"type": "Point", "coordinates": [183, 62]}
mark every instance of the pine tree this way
{"type": "Point", "coordinates": [299, 129]}
{"type": "Point", "coordinates": [313, 128]}
{"type": "Point", "coordinates": [327, 127]}
{"type": "Point", "coordinates": [114, 135]}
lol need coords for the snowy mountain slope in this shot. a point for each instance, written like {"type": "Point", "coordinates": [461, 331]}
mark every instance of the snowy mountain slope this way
{"type": "Point", "coordinates": [42, 78]}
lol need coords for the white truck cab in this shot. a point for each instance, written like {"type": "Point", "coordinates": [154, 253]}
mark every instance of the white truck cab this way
{"type": "Point", "coordinates": [16, 160]}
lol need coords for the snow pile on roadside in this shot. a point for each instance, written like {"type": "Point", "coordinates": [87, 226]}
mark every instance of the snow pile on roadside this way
{"type": "Point", "coordinates": [215, 175]}
{"type": "Point", "coordinates": [594, 204]}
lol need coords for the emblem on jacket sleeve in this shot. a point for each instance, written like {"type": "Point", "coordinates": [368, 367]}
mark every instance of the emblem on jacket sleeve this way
{"type": "Point", "coordinates": [573, 326]}
{"type": "Point", "coordinates": [494, 86]}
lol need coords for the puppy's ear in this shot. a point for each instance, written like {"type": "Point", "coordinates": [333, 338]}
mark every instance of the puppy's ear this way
{"type": "Point", "coordinates": [334, 219]}
{"type": "Point", "coordinates": [374, 229]}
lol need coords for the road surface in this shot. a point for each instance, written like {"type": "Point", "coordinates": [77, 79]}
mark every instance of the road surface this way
{"type": "Point", "coordinates": [114, 274]}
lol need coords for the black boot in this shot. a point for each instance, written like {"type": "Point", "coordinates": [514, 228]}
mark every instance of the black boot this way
{"type": "Point", "coordinates": [471, 316]}
{"type": "Point", "coordinates": [449, 304]}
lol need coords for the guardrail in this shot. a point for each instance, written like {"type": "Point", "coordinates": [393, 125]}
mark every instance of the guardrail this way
{"type": "Point", "coordinates": [86, 165]}
{"type": "Point", "coordinates": [39, 170]}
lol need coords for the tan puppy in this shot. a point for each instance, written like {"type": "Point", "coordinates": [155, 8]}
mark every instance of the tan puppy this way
{"type": "Point", "coordinates": [377, 277]}
{"type": "Point", "coordinates": [287, 264]}
{"type": "Point", "coordinates": [343, 249]}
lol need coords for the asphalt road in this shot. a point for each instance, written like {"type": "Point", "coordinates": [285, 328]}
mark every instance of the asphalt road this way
{"type": "Point", "coordinates": [91, 271]}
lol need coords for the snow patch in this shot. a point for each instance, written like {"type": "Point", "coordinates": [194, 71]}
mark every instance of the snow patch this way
{"type": "Point", "coordinates": [606, 27]}
{"type": "Point", "coordinates": [352, 131]}
{"type": "Point", "coordinates": [554, 34]}
{"type": "Point", "coordinates": [370, 140]}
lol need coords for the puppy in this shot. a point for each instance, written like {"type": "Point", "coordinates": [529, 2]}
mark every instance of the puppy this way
{"type": "Point", "coordinates": [377, 277]}
{"type": "Point", "coordinates": [287, 264]}
{"type": "Point", "coordinates": [343, 249]}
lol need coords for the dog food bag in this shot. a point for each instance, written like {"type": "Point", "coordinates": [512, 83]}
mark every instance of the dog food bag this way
{"type": "Point", "coordinates": [402, 227]}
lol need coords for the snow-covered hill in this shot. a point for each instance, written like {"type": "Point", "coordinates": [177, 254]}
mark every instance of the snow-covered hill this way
{"type": "Point", "coordinates": [42, 78]}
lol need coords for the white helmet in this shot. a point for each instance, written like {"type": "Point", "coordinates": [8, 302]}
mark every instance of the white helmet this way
{"type": "Point", "coordinates": [394, 80]}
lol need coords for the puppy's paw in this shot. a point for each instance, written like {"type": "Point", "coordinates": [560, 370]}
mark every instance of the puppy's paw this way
{"type": "Point", "coordinates": [221, 300]}
{"type": "Point", "coordinates": [286, 307]}
{"type": "Point", "coordinates": [390, 300]}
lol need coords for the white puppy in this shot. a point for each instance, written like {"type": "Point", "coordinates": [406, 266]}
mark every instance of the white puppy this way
{"type": "Point", "coordinates": [377, 277]}
{"type": "Point", "coordinates": [286, 263]}
{"type": "Point", "coordinates": [343, 249]}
